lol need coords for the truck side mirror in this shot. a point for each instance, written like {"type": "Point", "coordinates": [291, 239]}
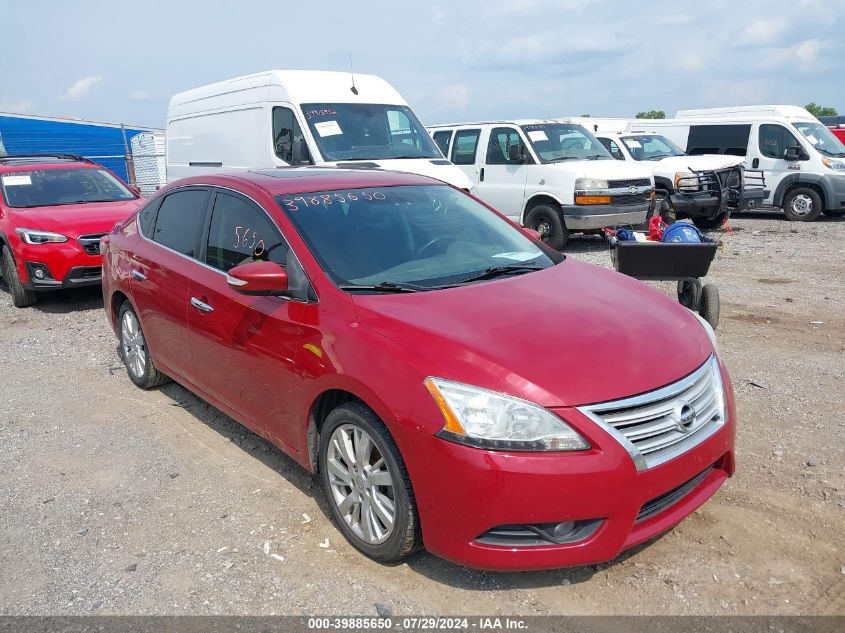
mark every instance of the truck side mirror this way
{"type": "Point", "coordinates": [516, 153]}
{"type": "Point", "coordinates": [795, 152]}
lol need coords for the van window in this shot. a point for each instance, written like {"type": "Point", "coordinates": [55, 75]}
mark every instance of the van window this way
{"type": "Point", "coordinates": [180, 221]}
{"type": "Point", "coordinates": [651, 147]}
{"type": "Point", "coordinates": [288, 141]}
{"type": "Point", "coordinates": [442, 138]}
{"type": "Point", "coordinates": [501, 139]}
{"type": "Point", "coordinates": [464, 147]}
{"type": "Point", "coordinates": [367, 131]}
{"type": "Point", "coordinates": [718, 139]}
{"type": "Point", "coordinates": [821, 138]}
{"type": "Point", "coordinates": [555, 142]}
{"type": "Point", "coordinates": [774, 139]}
{"type": "Point", "coordinates": [612, 147]}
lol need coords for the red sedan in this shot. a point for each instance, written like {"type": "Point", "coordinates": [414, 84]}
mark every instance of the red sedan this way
{"type": "Point", "coordinates": [53, 211]}
{"type": "Point", "coordinates": [453, 382]}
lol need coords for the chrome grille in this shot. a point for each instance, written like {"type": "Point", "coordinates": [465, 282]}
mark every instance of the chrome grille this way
{"type": "Point", "coordinates": [659, 425]}
{"type": "Point", "coordinates": [636, 182]}
{"type": "Point", "coordinates": [91, 243]}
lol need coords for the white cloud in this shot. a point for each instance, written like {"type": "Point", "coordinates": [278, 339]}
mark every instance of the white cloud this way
{"type": "Point", "coordinates": [688, 62]}
{"type": "Point", "coordinates": [140, 95]}
{"type": "Point", "coordinates": [10, 105]}
{"type": "Point", "coordinates": [438, 13]}
{"type": "Point", "coordinates": [80, 88]}
{"type": "Point", "coordinates": [763, 31]}
{"type": "Point", "coordinates": [454, 96]}
{"type": "Point", "coordinates": [808, 51]}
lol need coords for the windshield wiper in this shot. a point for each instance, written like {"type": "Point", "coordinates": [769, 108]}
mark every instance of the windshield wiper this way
{"type": "Point", "coordinates": [498, 271]}
{"type": "Point", "coordinates": [559, 158]}
{"type": "Point", "coordinates": [594, 156]}
{"type": "Point", "coordinates": [385, 286]}
{"type": "Point", "coordinates": [659, 156]}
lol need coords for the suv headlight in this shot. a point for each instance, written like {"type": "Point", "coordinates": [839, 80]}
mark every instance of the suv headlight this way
{"type": "Point", "coordinates": [835, 165]}
{"type": "Point", "coordinates": [687, 181]}
{"type": "Point", "coordinates": [31, 236]}
{"type": "Point", "coordinates": [487, 419]}
{"type": "Point", "coordinates": [590, 184]}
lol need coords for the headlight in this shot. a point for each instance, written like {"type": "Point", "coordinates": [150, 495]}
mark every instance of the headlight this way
{"type": "Point", "coordinates": [719, 389]}
{"type": "Point", "coordinates": [835, 165]}
{"type": "Point", "coordinates": [31, 236]}
{"type": "Point", "coordinates": [590, 184]}
{"type": "Point", "coordinates": [486, 419]}
{"type": "Point", "coordinates": [687, 181]}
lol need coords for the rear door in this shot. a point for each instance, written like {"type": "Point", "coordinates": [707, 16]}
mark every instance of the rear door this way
{"type": "Point", "coordinates": [159, 277]}
{"type": "Point", "coordinates": [246, 346]}
{"type": "Point", "coordinates": [501, 182]}
{"type": "Point", "coordinates": [442, 139]}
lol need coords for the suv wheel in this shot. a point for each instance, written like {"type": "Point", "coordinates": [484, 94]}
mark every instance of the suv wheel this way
{"type": "Point", "coordinates": [802, 204]}
{"type": "Point", "coordinates": [134, 351]}
{"type": "Point", "coordinates": [366, 484]}
{"type": "Point", "coordinates": [21, 297]}
{"type": "Point", "coordinates": [547, 221]}
{"type": "Point", "coordinates": [710, 223]}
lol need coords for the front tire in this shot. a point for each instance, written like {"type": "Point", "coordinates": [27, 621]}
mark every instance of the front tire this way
{"type": "Point", "coordinates": [548, 222]}
{"type": "Point", "coordinates": [134, 351]}
{"type": "Point", "coordinates": [709, 224]}
{"type": "Point", "coordinates": [802, 205]}
{"type": "Point", "coordinates": [708, 308]}
{"type": "Point", "coordinates": [367, 485]}
{"type": "Point", "coordinates": [21, 297]}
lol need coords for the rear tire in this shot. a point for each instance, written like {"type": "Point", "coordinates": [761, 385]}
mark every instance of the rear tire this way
{"type": "Point", "coordinates": [21, 297]}
{"type": "Point", "coordinates": [134, 351]}
{"type": "Point", "coordinates": [802, 204]}
{"type": "Point", "coordinates": [709, 306]}
{"type": "Point", "coordinates": [366, 482]}
{"type": "Point", "coordinates": [548, 222]}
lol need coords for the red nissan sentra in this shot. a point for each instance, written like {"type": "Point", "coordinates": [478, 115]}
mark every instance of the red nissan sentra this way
{"type": "Point", "coordinates": [454, 382]}
{"type": "Point", "coordinates": [54, 209]}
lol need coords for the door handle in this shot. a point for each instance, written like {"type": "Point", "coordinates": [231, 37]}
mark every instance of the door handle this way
{"type": "Point", "coordinates": [201, 305]}
{"type": "Point", "coordinates": [481, 175]}
{"type": "Point", "coordinates": [137, 274]}
{"type": "Point", "coordinates": [755, 163]}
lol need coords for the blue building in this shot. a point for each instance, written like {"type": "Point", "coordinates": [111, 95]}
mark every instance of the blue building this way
{"type": "Point", "coordinates": [103, 143]}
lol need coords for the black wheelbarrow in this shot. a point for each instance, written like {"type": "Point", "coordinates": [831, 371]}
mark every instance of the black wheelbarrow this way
{"type": "Point", "coordinates": [685, 263]}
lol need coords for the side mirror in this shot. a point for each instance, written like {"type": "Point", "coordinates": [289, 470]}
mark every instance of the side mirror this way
{"type": "Point", "coordinates": [516, 154]}
{"type": "Point", "coordinates": [794, 153]}
{"type": "Point", "coordinates": [531, 233]}
{"type": "Point", "coordinates": [258, 278]}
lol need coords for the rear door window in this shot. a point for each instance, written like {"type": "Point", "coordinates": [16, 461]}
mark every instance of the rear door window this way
{"type": "Point", "coordinates": [464, 147]}
{"type": "Point", "coordinates": [180, 220]}
{"type": "Point", "coordinates": [718, 139]}
{"type": "Point", "coordinates": [441, 139]}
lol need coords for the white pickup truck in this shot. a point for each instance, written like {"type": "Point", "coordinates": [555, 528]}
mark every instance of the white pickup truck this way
{"type": "Point", "coordinates": [550, 176]}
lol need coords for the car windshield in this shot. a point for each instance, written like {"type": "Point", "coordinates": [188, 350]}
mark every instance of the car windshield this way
{"type": "Point", "coordinates": [422, 237]}
{"type": "Point", "coordinates": [365, 131]}
{"type": "Point", "coordinates": [555, 142]}
{"type": "Point", "coordinates": [57, 187]}
{"type": "Point", "coordinates": [651, 147]}
{"type": "Point", "coordinates": [821, 138]}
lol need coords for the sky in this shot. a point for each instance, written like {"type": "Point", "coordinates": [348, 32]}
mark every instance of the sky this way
{"type": "Point", "coordinates": [453, 61]}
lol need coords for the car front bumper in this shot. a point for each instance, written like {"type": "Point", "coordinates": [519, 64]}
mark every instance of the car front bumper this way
{"type": "Point", "coordinates": [462, 493]}
{"type": "Point", "coordinates": [64, 265]}
{"type": "Point", "coordinates": [590, 217]}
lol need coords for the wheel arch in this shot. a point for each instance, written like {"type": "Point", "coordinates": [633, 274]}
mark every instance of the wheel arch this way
{"type": "Point", "coordinates": [661, 182]}
{"type": "Point", "coordinates": [541, 197]}
{"type": "Point", "coordinates": [795, 181]}
{"type": "Point", "coordinates": [325, 402]}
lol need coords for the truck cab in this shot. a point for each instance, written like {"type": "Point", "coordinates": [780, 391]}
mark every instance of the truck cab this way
{"type": "Point", "coordinates": [551, 176]}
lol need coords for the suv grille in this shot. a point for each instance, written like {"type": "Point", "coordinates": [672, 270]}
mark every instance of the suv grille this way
{"type": "Point", "coordinates": [636, 182]}
{"type": "Point", "coordinates": [659, 425]}
{"type": "Point", "coordinates": [91, 243]}
{"type": "Point", "coordinates": [628, 199]}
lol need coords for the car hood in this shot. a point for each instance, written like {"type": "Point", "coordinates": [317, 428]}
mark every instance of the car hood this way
{"type": "Point", "coordinates": [569, 335]}
{"type": "Point", "coordinates": [438, 168]}
{"type": "Point", "coordinates": [609, 169]}
{"type": "Point", "coordinates": [671, 165]}
{"type": "Point", "coordinates": [77, 219]}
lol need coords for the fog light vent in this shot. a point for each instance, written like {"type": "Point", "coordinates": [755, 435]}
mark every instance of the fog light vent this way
{"type": "Point", "coordinates": [534, 534]}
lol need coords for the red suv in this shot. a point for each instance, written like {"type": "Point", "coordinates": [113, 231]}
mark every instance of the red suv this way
{"type": "Point", "coordinates": [454, 382]}
{"type": "Point", "coordinates": [53, 211]}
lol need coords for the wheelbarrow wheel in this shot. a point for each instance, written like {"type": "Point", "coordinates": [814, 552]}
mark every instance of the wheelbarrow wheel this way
{"type": "Point", "coordinates": [689, 294]}
{"type": "Point", "coordinates": [709, 307]}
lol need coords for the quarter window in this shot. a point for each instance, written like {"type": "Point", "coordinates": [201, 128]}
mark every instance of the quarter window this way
{"type": "Point", "coordinates": [288, 142]}
{"type": "Point", "coordinates": [775, 139]}
{"type": "Point", "coordinates": [501, 140]}
{"type": "Point", "coordinates": [180, 221]}
{"type": "Point", "coordinates": [241, 232]}
{"type": "Point", "coordinates": [464, 147]}
{"type": "Point", "coordinates": [441, 138]}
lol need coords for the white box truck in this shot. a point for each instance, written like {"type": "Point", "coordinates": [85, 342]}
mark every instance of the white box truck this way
{"type": "Point", "coordinates": [296, 117]}
{"type": "Point", "coordinates": [550, 176]}
{"type": "Point", "coordinates": [803, 162]}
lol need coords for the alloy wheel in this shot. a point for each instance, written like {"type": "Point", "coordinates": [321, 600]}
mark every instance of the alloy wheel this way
{"type": "Point", "coordinates": [134, 346]}
{"type": "Point", "coordinates": [361, 485]}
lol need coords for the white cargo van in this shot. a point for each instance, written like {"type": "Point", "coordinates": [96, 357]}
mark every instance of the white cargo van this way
{"type": "Point", "coordinates": [550, 176]}
{"type": "Point", "coordinates": [295, 117]}
{"type": "Point", "coordinates": [803, 162]}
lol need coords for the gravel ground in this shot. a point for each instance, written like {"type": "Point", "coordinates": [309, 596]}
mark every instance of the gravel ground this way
{"type": "Point", "coordinates": [119, 501]}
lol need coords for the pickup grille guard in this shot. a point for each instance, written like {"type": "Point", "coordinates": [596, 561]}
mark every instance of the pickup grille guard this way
{"type": "Point", "coordinates": [734, 186]}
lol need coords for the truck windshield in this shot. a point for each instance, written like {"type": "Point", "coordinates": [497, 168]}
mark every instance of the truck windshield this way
{"type": "Point", "coordinates": [365, 131]}
{"type": "Point", "coordinates": [555, 142]}
{"type": "Point", "coordinates": [408, 238]}
{"type": "Point", "coordinates": [56, 187]}
{"type": "Point", "coordinates": [821, 138]}
{"type": "Point", "coordinates": [651, 147]}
